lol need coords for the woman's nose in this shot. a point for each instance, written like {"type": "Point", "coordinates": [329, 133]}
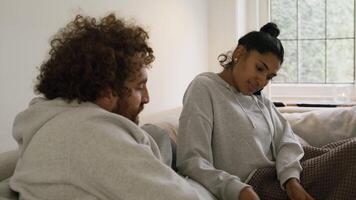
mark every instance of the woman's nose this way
{"type": "Point", "coordinates": [262, 81]}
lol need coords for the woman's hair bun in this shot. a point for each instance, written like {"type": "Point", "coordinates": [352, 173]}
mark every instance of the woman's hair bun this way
{"type": "Point", "coordinates": [270, 28]}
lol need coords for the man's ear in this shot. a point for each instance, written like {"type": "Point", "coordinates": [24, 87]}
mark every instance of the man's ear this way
{"type": "Point", "coordinates": [107, 100]}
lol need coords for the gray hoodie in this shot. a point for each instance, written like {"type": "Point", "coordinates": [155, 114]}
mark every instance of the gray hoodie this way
{"type": "Point", "coordinates": [224, 136]}
{"type": "Point", "coordinates": [81, 151]}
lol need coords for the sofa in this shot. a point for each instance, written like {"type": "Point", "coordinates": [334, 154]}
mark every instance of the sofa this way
{"type": "Point", "coordinates": [313, 126]}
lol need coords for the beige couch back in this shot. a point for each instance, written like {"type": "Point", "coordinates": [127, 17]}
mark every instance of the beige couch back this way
{"type": "Point", "coordinates": [7, 164]}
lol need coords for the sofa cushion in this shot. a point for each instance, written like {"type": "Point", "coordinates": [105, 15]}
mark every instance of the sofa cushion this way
{"type": "Point", "coordinates": [320, 127]}
{"type": "Point", "coordinates": [5, 192]}
{"type": "Point", "coordinates": [165, 138]}
{"type": "Point", "coordinates": [7, 164]}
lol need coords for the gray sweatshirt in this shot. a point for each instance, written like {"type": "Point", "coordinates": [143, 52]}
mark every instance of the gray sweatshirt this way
{"type": "Point", "coordinates": [81, 151]}
{"type": "Point", "coordinates": [224, 136]}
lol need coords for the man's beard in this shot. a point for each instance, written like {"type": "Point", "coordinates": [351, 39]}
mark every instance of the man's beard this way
{"type": "Point", "coordinates": [132, 117]}
{"type": "Point", "coordinates": [136, 119]}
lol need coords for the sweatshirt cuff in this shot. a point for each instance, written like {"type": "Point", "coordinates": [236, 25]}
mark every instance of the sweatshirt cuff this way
{"type": "Point", "coordinates": [287, 174]}
{"type": "Point", "coordinates": [233, 190]}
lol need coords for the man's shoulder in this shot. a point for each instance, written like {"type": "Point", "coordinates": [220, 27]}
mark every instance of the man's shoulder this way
{"type": "Point", "coordinates": [89, 113]}
{"type": "Point", "coordinates": [85, 121]}
{"type": "Point", "coordinates": [98, 121]}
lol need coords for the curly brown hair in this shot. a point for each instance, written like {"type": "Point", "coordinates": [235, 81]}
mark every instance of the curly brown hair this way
{"type": "Point", "coordinates": [88, 56]}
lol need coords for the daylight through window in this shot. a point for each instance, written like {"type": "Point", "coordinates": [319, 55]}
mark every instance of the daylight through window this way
{"type": "Point", "coordinates": [319, 40]}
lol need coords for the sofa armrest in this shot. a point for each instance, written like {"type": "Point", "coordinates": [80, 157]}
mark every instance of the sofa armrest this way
{"type": "Point", "coordinates": [8, 162]}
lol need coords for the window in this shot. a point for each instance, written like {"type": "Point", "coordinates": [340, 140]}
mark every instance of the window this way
{"type": "Point", "coordinates": [319, 41]}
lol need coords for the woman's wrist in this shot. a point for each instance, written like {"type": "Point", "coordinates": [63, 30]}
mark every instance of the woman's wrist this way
{"type": "Point", "coordinates": [291, 182]}
{"type": "Point", "coordinates": [248, 193]}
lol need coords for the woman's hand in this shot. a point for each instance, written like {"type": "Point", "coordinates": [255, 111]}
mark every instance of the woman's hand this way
{"type": "Point", "coordinates": [295, 191]}
{"type": "Point", "coordinates": [248, 194]}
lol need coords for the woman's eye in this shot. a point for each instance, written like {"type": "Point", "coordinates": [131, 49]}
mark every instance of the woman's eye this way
{"type": "Point", "coordinates": [260, 69]}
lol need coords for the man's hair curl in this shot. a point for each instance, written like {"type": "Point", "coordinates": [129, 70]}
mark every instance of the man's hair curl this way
{"type": "Point", "coordinates": [88, 56]}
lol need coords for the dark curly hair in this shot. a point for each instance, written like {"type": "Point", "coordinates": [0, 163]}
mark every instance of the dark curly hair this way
{"type": "Point", "coordinates": [88, 56]}
{"type": "Point", "coordinates": [262, 41]}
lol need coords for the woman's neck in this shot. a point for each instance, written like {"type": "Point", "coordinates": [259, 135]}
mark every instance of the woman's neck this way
{"type": "Point", "coordinates": [226, 75]}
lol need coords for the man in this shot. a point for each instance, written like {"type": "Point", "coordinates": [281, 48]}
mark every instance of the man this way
{"type": "Point", "coordinates": [81, 140]}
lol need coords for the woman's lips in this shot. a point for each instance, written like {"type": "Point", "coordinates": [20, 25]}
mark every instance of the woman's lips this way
{"type": "Point", "coordinates": [251, 88]}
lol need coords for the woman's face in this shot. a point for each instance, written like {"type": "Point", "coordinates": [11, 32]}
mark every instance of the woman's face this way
{"type": "Point", "coordinates": [252, 70]}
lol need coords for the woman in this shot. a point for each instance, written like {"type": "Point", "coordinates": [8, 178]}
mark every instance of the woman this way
{"type": "Point", "coordinates": [228, 130]}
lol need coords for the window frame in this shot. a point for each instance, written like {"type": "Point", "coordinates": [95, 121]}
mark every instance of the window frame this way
{"type": "Point", "coordinates": [287, 92]}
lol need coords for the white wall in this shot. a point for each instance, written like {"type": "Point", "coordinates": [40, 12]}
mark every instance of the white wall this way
{"type": "Point", "coordinates": [228, 20]}
{"type": "Point", "coordinates": [179, 37]}
{"type": "Point", "coordinates": [222, 32]}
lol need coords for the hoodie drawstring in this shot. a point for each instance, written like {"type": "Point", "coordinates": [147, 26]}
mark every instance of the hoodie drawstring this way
{"type": "Point", "coordinates": [242, 107]}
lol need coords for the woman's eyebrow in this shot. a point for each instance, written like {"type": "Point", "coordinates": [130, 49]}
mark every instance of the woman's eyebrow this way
{"type": "Point", "coordinates": [266, 66]}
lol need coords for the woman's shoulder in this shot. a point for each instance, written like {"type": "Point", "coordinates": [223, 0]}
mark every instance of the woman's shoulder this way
{"type": "Point", "coordinates": [204, 77]}
{"type": "Point", "coordinates": [201, 87]}
{"type": "Point", "coordinates": [205, 80]}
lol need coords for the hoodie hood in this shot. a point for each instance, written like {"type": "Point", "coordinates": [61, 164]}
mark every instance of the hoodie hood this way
{"type": "Point", "coordinates": [39, 112]}
{"type": "Point", "coordinates": [236, 93]}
